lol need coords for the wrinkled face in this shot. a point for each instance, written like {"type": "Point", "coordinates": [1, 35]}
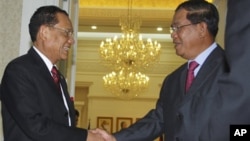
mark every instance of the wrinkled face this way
{"type": "Point", "coordinates": [59, 39]}
{"type": "Point", "coordinates": [185, 36]}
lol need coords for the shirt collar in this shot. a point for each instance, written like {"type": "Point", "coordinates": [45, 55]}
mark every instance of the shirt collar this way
{"type": "Point", "coordinates": [44, 58]}
{"type": "Point", "coordinates": [200, 59]}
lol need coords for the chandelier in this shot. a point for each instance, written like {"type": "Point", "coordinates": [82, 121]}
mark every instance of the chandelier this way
{"type": "Point", "coordinates": [128, 55]}
{"type": "Point", "coordinates": [126, 84]}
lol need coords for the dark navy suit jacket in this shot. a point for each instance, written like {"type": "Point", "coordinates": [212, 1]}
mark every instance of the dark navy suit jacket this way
{"type": "Point", "coordinates": [32, 109]}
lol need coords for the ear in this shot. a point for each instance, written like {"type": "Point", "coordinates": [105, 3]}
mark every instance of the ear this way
{"type": "Point", "coordinates": [203, 29]}
{"type": "Point", "coordinates": [43, 32]}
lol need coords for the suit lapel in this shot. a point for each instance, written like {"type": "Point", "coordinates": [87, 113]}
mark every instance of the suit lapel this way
{"type": "Point", "coordinates": [183, 79]}
{"type": "Point", "coordinates": [67, 97]}
{"type": "Point", "coordinates": [206, 70]}
{"type": "Point", "coordinates": [43, 70]}
{"type": "Point", "coordinates": [203, 76]}
{"type": "Point", "coordinates": [211, 64]}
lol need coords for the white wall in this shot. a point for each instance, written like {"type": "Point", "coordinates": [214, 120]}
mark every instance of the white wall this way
{"type": "Point", "coordinates": [29, 6]}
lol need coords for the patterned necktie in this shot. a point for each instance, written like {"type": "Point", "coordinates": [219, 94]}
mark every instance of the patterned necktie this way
{"type": "Point", "coordinates": [55, 76]}
{"type": "Point", "coordinates": [190, 75]}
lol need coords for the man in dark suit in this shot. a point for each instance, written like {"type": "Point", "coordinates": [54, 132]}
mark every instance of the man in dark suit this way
{"type": "Point", "coordinates": [34, 107]}
{"type": "Point", "coordinates": [232, 107]}
{"type": "Point", "coordinates": [182, 114]}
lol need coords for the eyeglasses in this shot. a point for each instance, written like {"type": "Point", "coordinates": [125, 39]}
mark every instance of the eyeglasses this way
{"type": "Point", "coordinates": [67, 32]}
{"type": "Point", "coordinates": [177, 28]}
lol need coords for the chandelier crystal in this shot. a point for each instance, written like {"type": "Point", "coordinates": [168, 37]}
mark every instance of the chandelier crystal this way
{"type": "Point", "coordinates": [129, 51]}
{"type": "Point", "coordinates": [128, 55]}
{"type": "Point", "coordinates": [126, 84]}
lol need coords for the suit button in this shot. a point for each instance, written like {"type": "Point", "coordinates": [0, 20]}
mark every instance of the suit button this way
{"type": "Point", "coordinates": [66, 114]}
{"type": "Point", "coordinates": [179, 116]}
{"type": "Point", "coordinates": [177, 139]}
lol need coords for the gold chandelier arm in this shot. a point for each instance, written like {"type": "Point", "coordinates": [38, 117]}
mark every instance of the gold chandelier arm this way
{"type": "Point", "coordinates": [128, 55]}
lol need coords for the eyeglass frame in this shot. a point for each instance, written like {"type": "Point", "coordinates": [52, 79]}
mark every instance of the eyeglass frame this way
{"type": "Point", "coordinates": [173, 29]}
{"type": "Point", "coordinates": [69, 33]}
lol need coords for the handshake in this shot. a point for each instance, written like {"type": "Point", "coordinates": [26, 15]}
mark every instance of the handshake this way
{"type": "Point", "coordinates": [99, 135]}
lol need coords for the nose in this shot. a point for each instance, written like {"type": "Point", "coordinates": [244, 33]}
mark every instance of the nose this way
{"type": "Point", "coordinates": [71, 40]}
{"type": "Point", "coordinates": [173, 35]}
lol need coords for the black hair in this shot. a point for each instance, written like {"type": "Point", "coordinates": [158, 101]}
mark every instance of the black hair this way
{"type": "Point", "coordinates": [77, 112]}
{"type": "Point", "coordinates": [45, 15]}
{"type": "Point", "coordinates": [202, 11]}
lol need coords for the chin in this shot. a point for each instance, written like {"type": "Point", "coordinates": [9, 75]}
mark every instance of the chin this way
{"type": "Point", "coordinates": [64, 57]}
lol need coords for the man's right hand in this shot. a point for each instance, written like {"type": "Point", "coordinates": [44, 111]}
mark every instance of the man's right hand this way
{"type": "Point", "coordinates": [105, 135]}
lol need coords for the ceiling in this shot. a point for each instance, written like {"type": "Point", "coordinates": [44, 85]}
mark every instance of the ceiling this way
{"type": "Point", "coordinates": [105, 14]}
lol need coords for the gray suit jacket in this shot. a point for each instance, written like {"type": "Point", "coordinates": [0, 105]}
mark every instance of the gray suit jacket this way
{"type": "Point", "coordinates": [180, 115]}
{"type": "Point", "coordinates": [234, 95]}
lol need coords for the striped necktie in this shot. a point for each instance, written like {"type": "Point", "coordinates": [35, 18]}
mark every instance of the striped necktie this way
{"type": "Point", "coordinates": [55, 75]}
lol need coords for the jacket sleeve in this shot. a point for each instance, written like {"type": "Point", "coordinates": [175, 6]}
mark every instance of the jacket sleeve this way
{"type": "Point", "coordinates": [234, 97]}
{"type": "Point", "coordinates": [147, 128]}
{"type": "Point", "coordinates": [29, 117]}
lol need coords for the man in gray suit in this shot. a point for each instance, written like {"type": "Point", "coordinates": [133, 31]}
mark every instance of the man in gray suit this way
{"type": "Point", "coordinates": [229, 95]}
{"type": "Point", "coordinates": [182, 113]}
{"type": "Point", "coordinates": [234, 97]}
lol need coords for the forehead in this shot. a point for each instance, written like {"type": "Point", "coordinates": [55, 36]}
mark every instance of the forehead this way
{"type": "Point", "coordinates": [63, 20]}
{"type": "Point", "coordinates": [180, 16]}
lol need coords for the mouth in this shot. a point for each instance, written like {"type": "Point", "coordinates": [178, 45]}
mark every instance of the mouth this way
{"type": "Point", "coordinates": [66, 48]}
{"type": "Point", "coordinates": [176, 44]}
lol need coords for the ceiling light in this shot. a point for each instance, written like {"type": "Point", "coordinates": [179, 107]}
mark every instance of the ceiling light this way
{"type": "Point", "coordinates": [159, 28]}
{"type": "Point", "coordinates": [127, 56]}
{"type": "Point", "coordinates": [93, 27]}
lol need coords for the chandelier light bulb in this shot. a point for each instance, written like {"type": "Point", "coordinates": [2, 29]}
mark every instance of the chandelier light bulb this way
{"type": "Point", "coordinates": [125, 84]}
{"type": "Point", "coordinates": [128, 55]}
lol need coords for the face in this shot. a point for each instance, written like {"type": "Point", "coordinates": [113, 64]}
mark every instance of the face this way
{"type": "Point", "coordinates": [59, 39]}
{"type": "Point", "coordinates": [185, 36]}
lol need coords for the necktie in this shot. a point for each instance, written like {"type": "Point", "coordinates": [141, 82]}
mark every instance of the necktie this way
{"type": "Point", "coordinates": [190, 76]}
{"type": "Point", "coordinates": [55, 76]}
